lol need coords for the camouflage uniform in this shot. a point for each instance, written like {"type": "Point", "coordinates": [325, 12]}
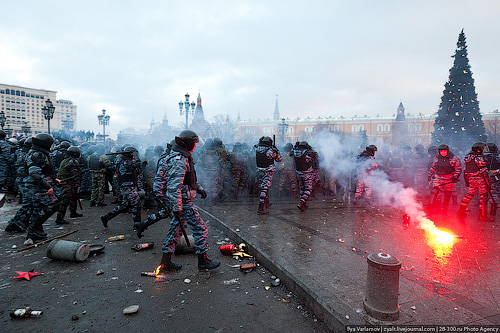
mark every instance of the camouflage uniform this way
{"type": "Point", "coordinates": [20, 221]}
{"type": "Point", "coordinates": [287, 176]}
{"type": "Point", "coordinates": [367, 164]}
{"type": "Point", "coordinates": [475, 174]}
{"type": "Point", "coordinates": [86, 182]}
{"type": "Point", "coordinates": [181, 189]}
{"type": "Point", "coordinates": [12, 170]}
{"type": "Point", "coordinates": [419, 162]}
{"type": "Point", "coordinates": [304, 157]}
{"type": "Point", "coordinates": [98, 163]}
{"type": "Point", "coordinates": [265, 156]}
{"type": "Point", "coordinates": [214, 165]}
{"type": "Point", "coordinates": [237, 160]}
{"type": "Point", "coordinates": [127, 172]}
{"type": "Point", "coordinates": [5, 161]}
{"type": "Point", "coordinates": [69, 175]}
{"type": "Point", "coordinates": [149, 174]}
{"type": "Point", "coordinates": [447, 170]}
{"type": "Point", "coordinates": [39, 188]}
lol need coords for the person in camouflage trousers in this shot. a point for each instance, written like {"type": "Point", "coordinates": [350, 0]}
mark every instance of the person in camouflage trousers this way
{"type": "Point", "coordinates": [265, 155]}
{"type": "Point", "coordinates": [367, 164]}
{"type": "Point", "coordinates": [446, 170]}
{"type": "Point", "coordinates": [98, 163]}
{"type": "Point", "coordinates": [5, 160]}
{"type": "Point", "coordinates": [238, 169]}
{"type": "Point", "coordinates": [287, 177]}
{"type": "Point", "coordinates": [12, 171]}
{"type": "Point", "coordinates": [39, 186]}
{"type": "Point", "coordinates": [20, 221]}
{"type": "Point", "coordinates": [128, 170]}
{"type": "Point", "coordinates": [475, 174]}
{"type": "Point", "coordinates": [214, 165]}
{"type": "Point", "coordinates": [493, 160]}
{"type": "Point", "coordinates": [86, 183]}
{"type": "Point", "coordinates": [158, 192]}
{"type": "Point", "coordinates": [149, 174]}
{"type": "Point", "coordinates": [181, 188]}
{"type": "Point", "coordinates": [69, 178]}
{"type": "Point", "coordinates": [304, 157]}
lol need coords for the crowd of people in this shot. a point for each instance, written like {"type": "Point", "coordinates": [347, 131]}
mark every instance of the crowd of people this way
{"type": "Point", "coordinates": [52, 176]}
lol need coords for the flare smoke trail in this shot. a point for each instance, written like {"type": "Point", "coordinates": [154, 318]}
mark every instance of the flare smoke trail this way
{"type": "Point", "coordinates": [334, 158]}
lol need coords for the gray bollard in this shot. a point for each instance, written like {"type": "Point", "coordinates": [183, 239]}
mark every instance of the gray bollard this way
{"type": "Point", "coordinates": [382, 287]}
{"type": "Point", "coordinates": [66, 250]}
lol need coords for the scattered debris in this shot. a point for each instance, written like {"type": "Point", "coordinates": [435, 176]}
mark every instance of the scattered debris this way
{"type": "Point", "coordinates": [276, 282]}
{"type": "Point", "coordinates": [99, 272]}
{"type": "Point", "coordinates": [285, 300]}
{"type": "Point", "coordinates": [75, 317]}
{"type": "Point", "coordinates": [131, 309]}
{"type": "Point", "coordinates": [267, 287]}
{"type": "Point", "coordinates": [116, 238]}
{"type": "Point", "coordinates": [139, 291]}
{"type": "Point", "coordinates": [143, 246]}
{"type": "Point", "coordinates": [341, 240]}
{"type": "Point", "coordinates": [232, 281]}
{"type": "Point", "coordinates": [187, 281]}
{"type": "Point", "coordinates": [14, 246]}
{"type": "Point", "coordinates": [413, 307]}
{"type": "Point", "coordinates": [347, 317]}
{"type": "Point", "coordinates": [25, 313]}
{"type": "Point", "coordinates": [248, 267]}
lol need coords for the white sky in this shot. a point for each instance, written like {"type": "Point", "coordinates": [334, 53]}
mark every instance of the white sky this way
{"type": "Point", "coordinates": [137, 59]}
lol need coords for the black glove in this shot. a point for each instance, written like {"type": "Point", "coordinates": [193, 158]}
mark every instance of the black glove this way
{"type": "Point", "coordinates": [158, 199]}
{"type": "Point", "coordinates": [177, 216]}
{"type": "Point", "coordinates": [202, 193]}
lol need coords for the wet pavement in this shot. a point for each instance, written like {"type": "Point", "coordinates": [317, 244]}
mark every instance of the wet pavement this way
{"type": "Point", "coordinates": [90, 296]}
{"type": "Point", "coordinates": [321, 256]}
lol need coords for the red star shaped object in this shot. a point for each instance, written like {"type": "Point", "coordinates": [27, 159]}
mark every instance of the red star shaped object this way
{"type": "Point", "coordinates": [26, 275]}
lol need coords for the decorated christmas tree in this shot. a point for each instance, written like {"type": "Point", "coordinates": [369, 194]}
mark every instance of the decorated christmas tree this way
{"type": "Point", "coordinates": [459, 122]}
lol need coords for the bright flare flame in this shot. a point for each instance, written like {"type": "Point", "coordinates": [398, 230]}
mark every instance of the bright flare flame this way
{"type": "Point", "coordinates": [157, 270]}
{"type": "Point", "coordinates": [438, 236]}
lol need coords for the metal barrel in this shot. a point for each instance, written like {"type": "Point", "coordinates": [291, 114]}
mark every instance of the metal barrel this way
{"type": "Point", "coordinates": [67, 250]}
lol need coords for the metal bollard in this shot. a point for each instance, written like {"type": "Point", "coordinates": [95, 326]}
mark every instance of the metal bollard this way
{"type": "Point", "coordinates": [382, 287]}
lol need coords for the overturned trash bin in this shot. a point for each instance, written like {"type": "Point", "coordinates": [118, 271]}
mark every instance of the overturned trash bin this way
{"type": "Point", "coordinates": [66, 250]}
{"type": "Point", "coordinates": [382, 287]}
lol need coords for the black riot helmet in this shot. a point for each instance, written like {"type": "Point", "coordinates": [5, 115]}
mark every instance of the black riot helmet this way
{"type": "Point", "coordinates": [432, 150]}
{"type": "Point", "coordinates": [187, 139]}
{"type": "Point", "coordinates": [217, 142]}
{"type": "Point", "coordinates": [73, 151]}
{"type": "Point", "coordinates": [265, 141]}
{"type": "Point", "coordinates": [158, 150]}
{"type": "Point", "coordinates": [371, 149]}
{"type": "Point", "coordinates": [419, 148]}
{"type": "Point", "coordinates": [3, 135]}
{"type": "Point", "coordinates": [304, 145]}
{"type": "Point", "coordinates": [492, 147]}
{"type": "Point", "coordinates": [43, 142]}
{"type": "Point", "coordinates": [479, 147]}
{"type": "Point", "coordinates": [27, 143]}
{"type": "Point", "coordinates": [237, 146]}
{"type": "Point", "coordinates": [64, 145]}
{"type": "Point", "coordinates": [443, 147]}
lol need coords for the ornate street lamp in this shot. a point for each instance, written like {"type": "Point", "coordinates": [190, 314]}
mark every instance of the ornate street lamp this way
{"type": "Point", "coordinates": [186, 108]}
{"type": "Point", "coordinates": [283, 128]}
{"type": "Point", "coordinates": [26, 129]}
{"type": "Point", "coordinates": [2, 119]}
{"type": "Point", "coordinates": [104, 121]}
{"type": "Point", "coordinates": [48, 112]}
{"type": "Point", "coordinates": [8, 131]}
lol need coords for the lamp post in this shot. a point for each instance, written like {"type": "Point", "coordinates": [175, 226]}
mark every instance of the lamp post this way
{"type": "Point", "coordinates": [2, 119]}
{"type": "Point", "coordinates": [186, 109]}
{"type": "Point", "coordinates": [26, 128]}
{"type": "Point", "coordinates": [283, 128]}
{"type": "Point", "coordinates": [103, 120]}
{"type": "Point", "coordinates": [48, 112]}
{"type": "Point", "coordinates": [8, 131]}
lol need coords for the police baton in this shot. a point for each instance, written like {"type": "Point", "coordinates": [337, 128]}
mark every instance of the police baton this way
{"type": "Point", "coordinates": [181, 223]}
{"type": "Point", "coordinates": [489, 189]}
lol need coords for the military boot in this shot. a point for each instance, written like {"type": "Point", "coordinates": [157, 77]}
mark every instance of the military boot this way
{"type": "Point", "coordinates": [205, 264]}
{"type": "Point", "coordinates": [167, 265]}
{"type": "Point", "coordinates": [461, 212]}
{"type": "Point", "coordinates": [261, 209]}
{"type": "Point", "coordinates": [75, 214]}
{"type": "Point", "coordinates": [302, 205]}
